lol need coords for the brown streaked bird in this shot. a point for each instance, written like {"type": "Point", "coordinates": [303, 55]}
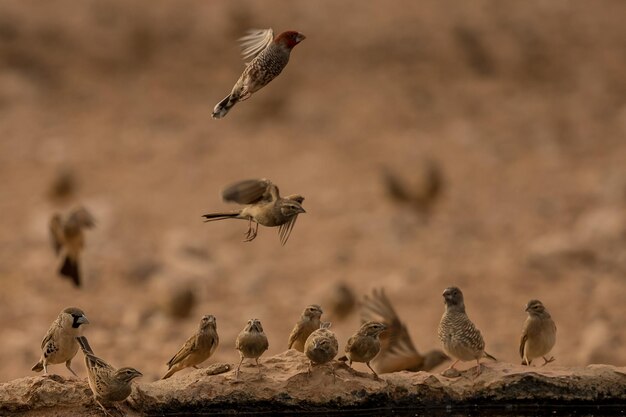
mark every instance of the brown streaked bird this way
{"type": "Point", "coordinates": [461, 340]}
{"type": "Point", "coordinates": [364, 345]}
{"type": "Point", "coordinates": [539, 334]}
{"type": "Point", "coordinates": [420, 191]}
{"type": "Point", "coordinates": [308, 323]}
{"type": "Point", "coordinates": [68, 240]}
{"type": "Point", "coordinates": [251, 343]}
{"type": "Point", "coordinates": [341, 301]}
{"type": "Point", "coordinates": [321, 347]}
{"type": "Point", "coordinates": [59, 345]}
{"type": "Point", "coordinates": [108, 385]}
{"type": "Point", "coordinates": [268, 57]}
{"type": "Point", "coordinates": [197, 348]}
{"type": "Point", "coordinates": [264, 206]}
{"type": "Point", "coordinates": [397, 351]}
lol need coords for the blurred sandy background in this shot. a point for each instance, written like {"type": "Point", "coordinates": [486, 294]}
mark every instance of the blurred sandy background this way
{"type": "Point", "coordinates": [522, 105]}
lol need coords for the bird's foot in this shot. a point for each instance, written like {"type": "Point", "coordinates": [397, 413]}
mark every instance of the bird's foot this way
{"type": "Point", "coordinates": [547, 361]}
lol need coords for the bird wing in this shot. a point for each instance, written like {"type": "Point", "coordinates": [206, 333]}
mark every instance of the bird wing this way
{"type": "Point", "coordinates": [56, 233]}
{"type": "Point", "coordinates": [97, 364]}
{"type": "Point", "coordinates": [284, 230]}
{"type": "Point", "coordinates": [255, 41]}
{"type": "Point", "coordinates": [522, 343]}
{"type": "Point", "coordinates": [189, 346]}
{"type": "Point", "coordinates": [250, 191]}
{"type": "Point", "coordinates": [47, 338]}
{"type": "Point", "coordinates": [396, 338]}
{"type": "Point", "coordinates": [294, 335]}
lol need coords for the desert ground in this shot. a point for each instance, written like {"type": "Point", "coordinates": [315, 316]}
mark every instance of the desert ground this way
{"type": "Point", "coordinates": [521, 106]}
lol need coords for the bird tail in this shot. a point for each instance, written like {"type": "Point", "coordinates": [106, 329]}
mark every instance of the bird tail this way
{"type": "Point", "coordinates": [38, 367]}
{"type": "Point", "coordinates": [490, 357]}
{"type": "Point", "coordinates": [223, 107]}
{"type": "Point", "coordinates": [70, 270]}
{"type": "Point", "coordinates": [169, 373]}
{"type": "Point", "coordinates": [84, 345]}
{"type": "Point", "coordinates": [219, 216]}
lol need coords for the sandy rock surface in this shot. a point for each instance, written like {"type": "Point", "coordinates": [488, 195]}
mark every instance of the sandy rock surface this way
{"type": "Point", "coordinates": [283, 384]}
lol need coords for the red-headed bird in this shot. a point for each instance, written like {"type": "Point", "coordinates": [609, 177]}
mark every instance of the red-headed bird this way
{"type": "Point", "coordinates": [268, 55]}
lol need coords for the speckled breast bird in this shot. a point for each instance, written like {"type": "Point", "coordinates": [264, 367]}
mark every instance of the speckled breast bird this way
{"type": "Point", "coordinates": [59, 345]}
{"type": "Point", "coordinates": [539, 334]}
{"type": "Point", "coordinates": [251, 343]}
{"type": "Point", "coordinates": [197, 348]}
{"type": "Point", "coordinates": [364, 345]}
{"type": "Point", "coordinates": [308, 323]}
{"type": "Point", "coordinates": [264, 206]}
{"type": "Point", "coordinates": [397, 351]}
{"type": "Point", "coordinates": [460, 338]}
{"type": "Point", "coordinates": [68, 241]}
{"type": "Point", "coordinates": [321, 346]}
{"type": "Point", "coordinates": [268, 56]}
{"type": "Point", "coordinates": [108, 385]}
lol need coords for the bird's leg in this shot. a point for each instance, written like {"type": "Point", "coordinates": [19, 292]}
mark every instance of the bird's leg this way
{"type": "Point", "coordinates": [547, 361]}
{"type": "Point", "coordinates": [238, 367]}
{"type": "Point", "coordinates": [310, 366]}
{"type": "Point", "coordinates": [258, 367]}
{"type": "Point", "coordinates": [477, 367]}
{"type": "Point", "coordinates": [103, 408]}
{"type": "Point", "coordinates": [45, 368]}
{"type": "Point", "coordinates": [373, 371]}
{"type": "Point", "coordinates": [452, 366]}
{"type": "Point", "coordinates": [249, 231]}
{"type": "Point", "coordinates": [67, 365]}
{"type": "Point", "coordinates": [252, 231]}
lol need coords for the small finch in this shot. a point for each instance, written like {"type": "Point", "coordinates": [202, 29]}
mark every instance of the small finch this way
{"type": "Point", "coordinates": [539, 334]}
{"type": "Point", "coordinates": [268, 55]}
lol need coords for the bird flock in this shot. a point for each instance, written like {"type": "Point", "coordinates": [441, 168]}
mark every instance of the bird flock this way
{"type": "Point", "coordinates": [382, 342]}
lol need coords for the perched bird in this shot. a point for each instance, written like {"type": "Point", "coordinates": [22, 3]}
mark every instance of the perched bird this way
{"type": "Point", "coordinates": [321, 346]}
{"type": "Point", "coordinates": [197, 348]}
{"type": "Point", "coordinates": [539, 334]}
{"type": "Point", "coordinates": [460, 338]}
{"type": "Point", "coordinates": [251, 342]}
{"type": "Point", "coordinates": [268, 56]}
{"type": "Point", "coordinates": [68, 240]}
{"type": "Point", "coordinates": [59, 345]}
{"type": "Point", "coordinates": [397, 351]}
{"type": "Point", "coordinates": [364, 345]}
{"type": "Point", "coordinates": [340, 302]}
{"type": "Point", "coordinates": [109, 385]}
{"type": "Point", "coordinates": [264, 206]}
{"type": "Point", "coordinates": [419, 191]}
{"type": "Point", "coordinates": [308, 323]}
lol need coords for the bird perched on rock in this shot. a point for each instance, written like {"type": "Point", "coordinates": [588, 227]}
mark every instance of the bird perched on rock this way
{"type": "Point", "coordinates": [308, 323]}
{"type": "Point", "coordinates": [251, 343]}
{"type": "Point", "coordinates": [109, 385]}
{"type": "Point", "coordinates": [264, 205]}
{"type": "Point", "coordinates": [268, 56]}
{"type": "Point", "coordinates": [397, 351]}
{"type": "Point", "coordinates": [68, 240]}
{"type": "Point", "coordinates": [197, 348]}
{"type": "Point", "coordinates": [321, 346]}
{"type": "Point", "coordinates": [364, 345]}
{"type": "Point", "coordinates": [59, 345]}
{"type": "Point", "coordinates": [460, 338]}
{"type": "Point", "coordinates": [539, 334]}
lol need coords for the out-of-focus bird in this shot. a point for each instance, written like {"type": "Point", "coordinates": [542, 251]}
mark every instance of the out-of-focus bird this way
{"type": "Point", "coordinates": [539, 334]}
{"type": "Point", "coordinates": [419, 191]}
{"type": "Point", "coordinates": [109, 385]}
{"type": "Point", "coordinates": [460, 338]}
{"type": "Point", "coordinates": [59, 345]}
{"type": "Point", "coordinates": [321, 346]}
{"type": "Point", "coordinates": [63, 185]}
{"type": "Point", "coordinates": [264, 205]}
{"type": "Point", "coordinates": [340, 302]}
{"type": "Point", "coordinates": [364, 345]}
{"type": "Point", "coordinates": [308, 323]}
{"type": "Point", "coordinates": [268, 57]}
{"type": "Point", "coordinates": [251, 343]}
{"type": "Point", "coordinates": [197, 348]}
{"type": "Point", "coordinates": [68, 240]}
{"type": "Point", "coordinates": [397, 351]}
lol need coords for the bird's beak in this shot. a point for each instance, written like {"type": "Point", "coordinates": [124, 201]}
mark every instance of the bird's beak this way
{"type": "Point", "coordinates": [300, 37]}
{"type": "Point", "coordinates": [138, 374]}
{"type": "Point", "coordinates": [82, 320]}
{"type": "Point", "coordinates": [301, 210]}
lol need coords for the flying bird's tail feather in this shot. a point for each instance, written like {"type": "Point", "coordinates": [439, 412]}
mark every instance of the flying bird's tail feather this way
{"type": "Point", "coordinates": [219, 216]}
